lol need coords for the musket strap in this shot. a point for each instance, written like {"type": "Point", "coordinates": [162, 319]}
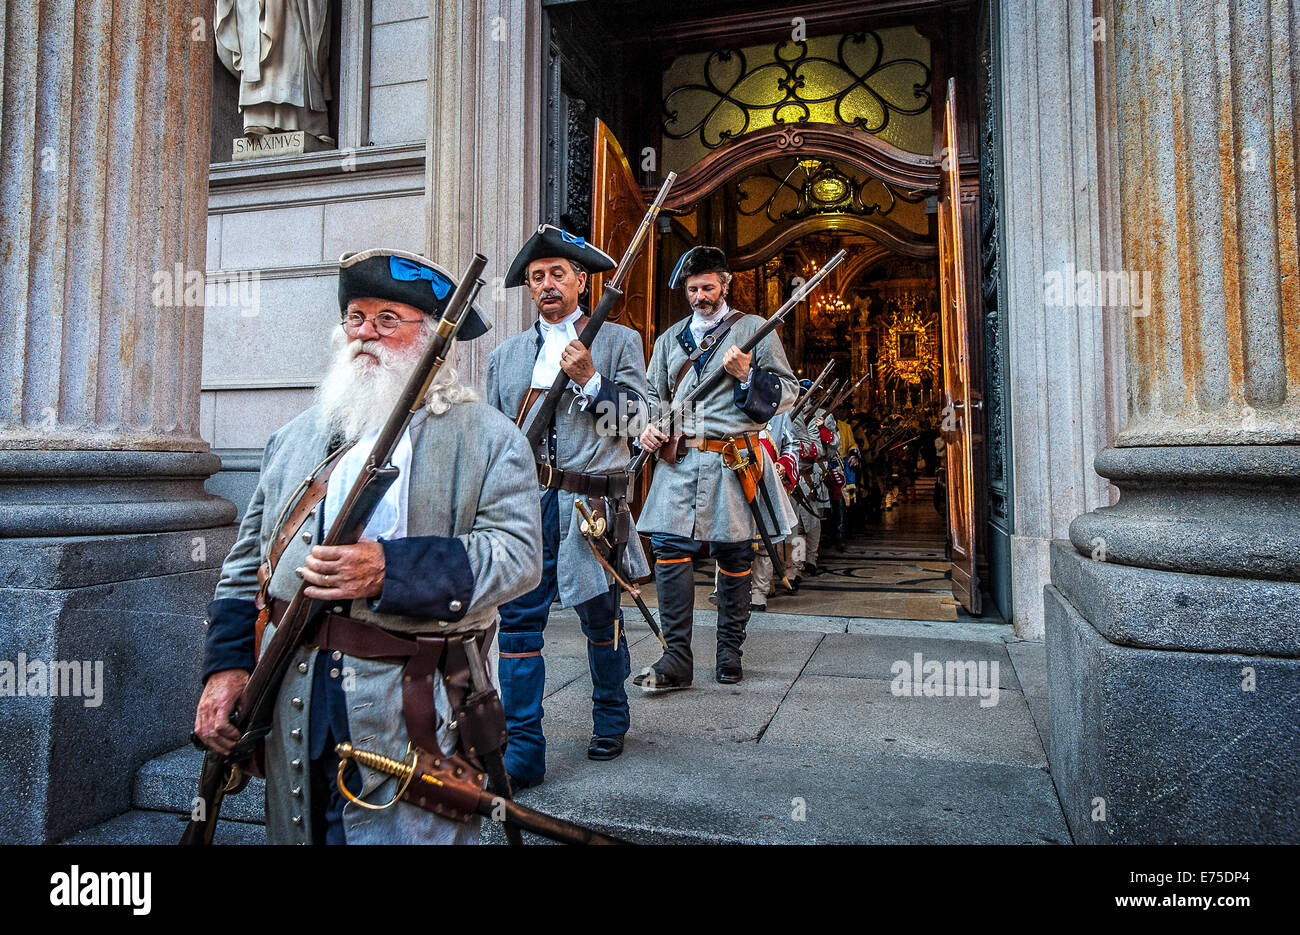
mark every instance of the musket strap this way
{"type": "Point", "coordinates": [708, 343]}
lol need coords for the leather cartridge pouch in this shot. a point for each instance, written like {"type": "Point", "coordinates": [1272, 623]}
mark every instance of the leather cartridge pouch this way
{"type": "Point", "coordinates": [670, 452]}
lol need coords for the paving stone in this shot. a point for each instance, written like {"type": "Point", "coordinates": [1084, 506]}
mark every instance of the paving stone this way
{"type": "Point", "coordinates": [864, 715]}
{"type": "Point", "coordinates": [685, 790]}
{"type": "Point", "coordinates": [872, 656]}
{"type": "Point", "coordinates": [970, 629]}
{"type": "Point", "coordinates": [772, 660]}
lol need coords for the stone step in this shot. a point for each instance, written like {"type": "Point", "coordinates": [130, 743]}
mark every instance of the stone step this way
{"type": "Point", "coordinates": [144, 827]}
{"type": "Point", "coordinates": [170, 783]}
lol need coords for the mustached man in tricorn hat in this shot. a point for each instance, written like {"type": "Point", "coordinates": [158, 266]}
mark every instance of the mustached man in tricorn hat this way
{"type": "Point", "coordinates": [453, 538]}
{"type": "Point", "coordinates": [581, 461]}
{"type": "Point", "coordinates": [696, 494]}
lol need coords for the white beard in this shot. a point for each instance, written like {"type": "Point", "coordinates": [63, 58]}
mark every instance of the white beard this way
{"type": "Point", "coordinates": [358, 393]}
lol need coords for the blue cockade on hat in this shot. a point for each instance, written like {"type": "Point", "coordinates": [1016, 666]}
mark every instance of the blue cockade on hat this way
{"type": "Point", "coordinates": [403, 270]}
{"type": "Point", "coordinates": [573, 238]}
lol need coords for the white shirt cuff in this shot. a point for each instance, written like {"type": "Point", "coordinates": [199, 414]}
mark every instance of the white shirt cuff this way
{"type": "Point", "coordinates": [586, 394]}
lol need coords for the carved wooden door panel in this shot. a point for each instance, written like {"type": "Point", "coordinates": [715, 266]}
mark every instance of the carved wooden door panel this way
{"type": "Point", "coordinates": [957, 414]}
{"type": "Point", "coordinates": [617, 207]}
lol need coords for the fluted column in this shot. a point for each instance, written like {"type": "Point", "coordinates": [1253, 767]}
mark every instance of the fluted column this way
{"type": "Point", "coordinates": [484, 157]}
{"type": "Point", "coordinates": [1208, 122]}
{"type": "Point", "coordinates": [109, 546]}
{"type": "Point", "coordinates": [1173, 654]}
{"type": "Point", "coordinates": [103, 201]}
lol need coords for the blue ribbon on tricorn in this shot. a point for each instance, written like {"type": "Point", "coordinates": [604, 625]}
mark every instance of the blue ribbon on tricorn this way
{"type": "Point", "coordinates": [572, 238]}
{"type": "Point", "coordinates": [403, 270]}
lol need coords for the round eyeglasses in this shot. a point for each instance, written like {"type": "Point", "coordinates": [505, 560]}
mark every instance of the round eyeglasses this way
{"type": "Point", "coordinates": [385, 322]}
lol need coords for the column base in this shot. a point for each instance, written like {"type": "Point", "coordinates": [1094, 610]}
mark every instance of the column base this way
{"type": "Point", "coordinates": [133, 603]}
{"type": "Point", "coordinates": [1159, 743]}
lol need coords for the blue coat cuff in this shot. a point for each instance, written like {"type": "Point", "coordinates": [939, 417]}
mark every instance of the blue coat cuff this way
{"type": "Point", "coordinates": [760, 399]}
{"type": "Point", "coordinates": [424, 576]}
{"type": "Point", "coordinates": [229, 640]}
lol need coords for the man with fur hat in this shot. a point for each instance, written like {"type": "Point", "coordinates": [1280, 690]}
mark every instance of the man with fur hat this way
{"type": "Point", "coordinates": [696, 495]}
{"type": "Point", "coordinates": [451, 540]}
{"type": "Point", "coordinates": [581, 458]}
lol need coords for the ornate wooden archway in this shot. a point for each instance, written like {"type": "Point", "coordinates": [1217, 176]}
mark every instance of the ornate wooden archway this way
{"type": "Point", "coordinates": [909, 171]}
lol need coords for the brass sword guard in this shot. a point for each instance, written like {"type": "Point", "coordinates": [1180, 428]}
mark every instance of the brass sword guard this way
{"type": "Point", "coordinates": [403, 770]}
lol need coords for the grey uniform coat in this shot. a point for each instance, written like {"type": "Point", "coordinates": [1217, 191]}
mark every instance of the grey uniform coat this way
{"type": "Point", "coordinates": [471, 478]}
{"type": "Point", "coordinates": [594, 441]}
{"type": "Point", "coordinates": [699, 497]}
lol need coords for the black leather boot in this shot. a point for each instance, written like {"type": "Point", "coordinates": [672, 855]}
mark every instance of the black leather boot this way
{"type": "Point", "coordinates": [733, 616]}
{"type": "Point", "coordinates": [675, 587]}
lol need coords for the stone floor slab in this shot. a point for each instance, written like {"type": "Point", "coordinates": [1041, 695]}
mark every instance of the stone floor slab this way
{"type": "Point", "coordinates": [685, 790]}
{"type": "Point", "coordinates": [863, 715]}
{"type": "Point", "coordinates": [772, 662]}
{"type": "Point", "coordinates": [855, 655]}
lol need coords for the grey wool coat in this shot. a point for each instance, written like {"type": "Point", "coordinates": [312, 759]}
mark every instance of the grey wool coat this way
{"type": "Point", "coordinates": [591, 441]}
{"type": "Point", "coordinates": [699, 497]}
{"type": "Point", "coordinates": [471, 478]}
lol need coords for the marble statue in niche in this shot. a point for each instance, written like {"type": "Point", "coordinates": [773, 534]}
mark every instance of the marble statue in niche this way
{"type": "Point", "coordinates": [279, 51]}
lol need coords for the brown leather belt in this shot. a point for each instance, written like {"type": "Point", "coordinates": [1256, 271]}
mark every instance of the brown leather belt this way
{"type": "Point", "coordinates": [732, 444]}
{"type": "Point", "coordinates": [588, 485]}
{"type": "Point", "coordinates": [482, 726]}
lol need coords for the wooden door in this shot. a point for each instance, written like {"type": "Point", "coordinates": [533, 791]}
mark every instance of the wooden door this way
{"type": "Point", "coordinates": [957, 414]}
{"type": "Point", "coordinates": [617, 208]}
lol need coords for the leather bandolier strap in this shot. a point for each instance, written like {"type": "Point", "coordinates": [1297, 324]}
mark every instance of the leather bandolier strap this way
{"type": "Point", "coordinates": [479, 716]}
{"type": "Point", "coordinates": [709, 343]}
{"type": "Point", "coordinates": [313, 490]}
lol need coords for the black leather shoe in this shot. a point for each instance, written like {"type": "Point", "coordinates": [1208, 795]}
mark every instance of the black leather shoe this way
{"type": "Point", "coordinates": [605, 748]}
{"type": "Point", "coordinates": [516, 784]}
{"type": "Point", "coordinates": [728, 674]}
{"type": "Point", "coordinates": [757, 608]}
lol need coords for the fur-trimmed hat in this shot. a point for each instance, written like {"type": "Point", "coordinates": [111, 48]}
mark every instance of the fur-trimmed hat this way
{"type": "Point", "coordinates": [404, 277]}
{"type": "Point", "coordinates": [697, 261]}
{"type": "Point", "coordinates": [550, 241]}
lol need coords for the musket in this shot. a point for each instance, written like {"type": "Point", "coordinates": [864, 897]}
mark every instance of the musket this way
{"type": "Point", "coordinates": [716, 376]}
{"type": "Point", "coordinates": [612, 292]}
{"type": "Point", "coordinates": [803, 402]}
{"type": "Point", "coordinates": [252, 714]}
{"type": "Point", "coordinates": [828, 392]}
{"type": "Point", "coordinates": [843, 395]}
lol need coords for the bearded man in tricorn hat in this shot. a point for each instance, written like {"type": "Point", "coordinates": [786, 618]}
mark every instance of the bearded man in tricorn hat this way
{"type": "Point", "coordinates": [452, 539]}
{"type": "Point", "coordinates": [696, 496]}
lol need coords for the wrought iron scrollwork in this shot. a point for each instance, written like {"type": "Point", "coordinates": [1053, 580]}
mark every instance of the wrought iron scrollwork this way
{"type": "Point", "coordinates": [783, 90]}
{"type": "Point", "coordinates": [792, 189]}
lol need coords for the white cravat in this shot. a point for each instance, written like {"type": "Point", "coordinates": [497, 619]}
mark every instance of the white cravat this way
{"type": "Point", "coordinates": [555, 338]}
{"type": "Point", "coordinates": [701, 325]}
{"type": "Point", "coordinates": [389, 518]}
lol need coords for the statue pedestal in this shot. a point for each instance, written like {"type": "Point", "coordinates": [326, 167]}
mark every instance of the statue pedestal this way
{"type": "Point", "coordinates": [276, 144]}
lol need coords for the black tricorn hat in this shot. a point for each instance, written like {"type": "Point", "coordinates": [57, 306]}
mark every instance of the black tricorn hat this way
{"type": "Point", "coordinates": [695, 262]}
{"type": "Point", "coordinates": [404, 277]}
{"type": "Point", "coordinates": [550, 241]}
